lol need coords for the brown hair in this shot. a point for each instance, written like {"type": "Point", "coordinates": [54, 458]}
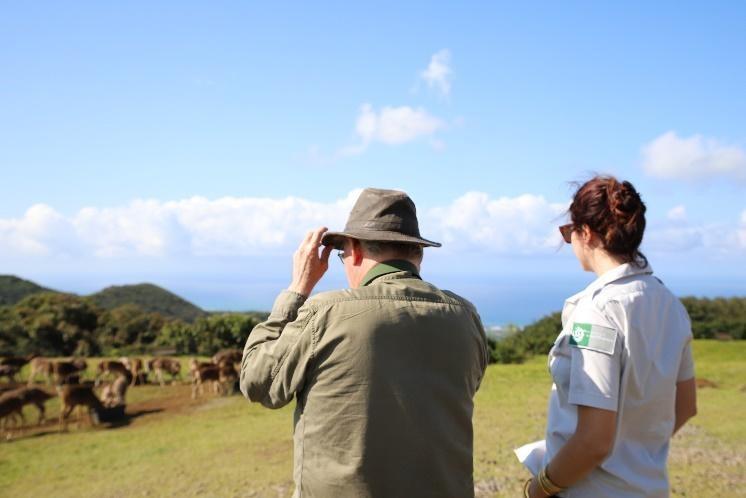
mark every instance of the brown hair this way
{"type": "Point", "coordinates": [615, 212]}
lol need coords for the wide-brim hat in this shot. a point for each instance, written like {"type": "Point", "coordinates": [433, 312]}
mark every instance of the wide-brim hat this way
{"type": "Point", "coordinates": [381, 216]}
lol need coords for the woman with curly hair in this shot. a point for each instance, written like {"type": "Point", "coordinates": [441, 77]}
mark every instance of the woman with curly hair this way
{"type": "Point", "coordinates": [622, 366]}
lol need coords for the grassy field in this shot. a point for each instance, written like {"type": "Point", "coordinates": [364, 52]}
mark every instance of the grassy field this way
{"type": "Point", "coordinates": [224, 446]}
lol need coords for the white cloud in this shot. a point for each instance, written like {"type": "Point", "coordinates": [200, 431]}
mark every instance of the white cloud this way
{"type": "Point", "coordinates": [678, 234]}
{"type": "Point", "coordinates": [676, 238]}
{"type": "Point", "coordinates": [249, 226]}
{"type": "Point", "coordinates": [391, 126]}
{"type": "Point", "coordinates": [677, 213]}
{"type": "Point", "coordinates": [438, 72]}
{"type": "Point", "coordinates": [672, 157]}
{"type": "Point", "coordinates": [395, 125]}
{"type": "Point", "coordinates": [510, 225]}
{"type": "Point", "coordinates": [151, 228]}
{"type": "Point", "coordinates": [40, 229]}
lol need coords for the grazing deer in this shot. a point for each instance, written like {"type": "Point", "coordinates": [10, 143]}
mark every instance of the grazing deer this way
{"type": "Point", "coordinates": [40, 366]}
{"type": "Point", "coordinates": [16, 361]}
{"type": "Point", "coordinates": [81, 396]}
{"type": "Point", "coordinates": [135, 367]}
{"type": "Point", "coordinates": [227, 356]}
{"type": "Point", "coordinates": [195, 365]}
{"type": "Point", "coordinates": [228, 377]}
{"type": "Point", "coordinates": [64, 369]}
{"type": "Point", "coordinates": [204, 373]}
{"type": "Point", "coordinates": [33, 396]}
{"type": "Point", "coordinates": [110, 367]}
{"type": "Point", "coordinates": [11, 407]}
{"type": "Point", "coordinates": [163, 364]}
{"type": "Point", "coordinates": [114, 394]}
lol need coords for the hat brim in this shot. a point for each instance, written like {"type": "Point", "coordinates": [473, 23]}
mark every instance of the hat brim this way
{"type": "Point", "coordinates": [336, 239]}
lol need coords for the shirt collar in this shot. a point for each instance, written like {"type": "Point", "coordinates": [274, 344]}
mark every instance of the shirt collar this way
{"type": "Point", "coordinates": [622, 271]}
{"type": "Point", "coordinates": [390, 266]}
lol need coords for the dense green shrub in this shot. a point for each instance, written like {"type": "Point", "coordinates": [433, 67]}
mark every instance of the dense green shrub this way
{"type": "Point", "coordinates": [533, 339]}
{"type": "Point", "coordinates": [711, 318]}
{"type": "Point", "coordinates": [719, 317]}
{"type": "Point", "coordinates": [52, 324]}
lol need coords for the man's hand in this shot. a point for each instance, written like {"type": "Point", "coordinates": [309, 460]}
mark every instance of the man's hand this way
{"type": "Point", "coordinates": [308, 265]}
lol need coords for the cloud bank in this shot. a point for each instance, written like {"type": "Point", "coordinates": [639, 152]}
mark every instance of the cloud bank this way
{"type": "Point", "coordinates": [507, 225]}
{"type": "Point", "coordinates": [245, 226]}
{"type": "Point", "coordinates": [695, 158]}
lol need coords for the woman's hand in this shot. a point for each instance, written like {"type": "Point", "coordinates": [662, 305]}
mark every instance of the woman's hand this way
{"type": "Point", "coordinates": [535, 491]}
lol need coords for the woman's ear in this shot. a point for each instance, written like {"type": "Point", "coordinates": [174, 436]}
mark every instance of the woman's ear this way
{"type": "Point", "coordinates": [590, 238]}
{"type": "Point", "coordinates": [587, 235]}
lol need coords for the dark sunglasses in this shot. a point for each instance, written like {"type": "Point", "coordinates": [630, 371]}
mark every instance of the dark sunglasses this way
{"type": "Point", "coordinates": [566, 231]}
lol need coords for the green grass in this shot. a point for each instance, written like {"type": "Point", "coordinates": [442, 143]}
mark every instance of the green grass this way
{"type": "Point", "coordinates": [228, 447]}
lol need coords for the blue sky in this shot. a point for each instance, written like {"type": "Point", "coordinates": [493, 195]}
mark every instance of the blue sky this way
{"type": "Point", "coordinates": [190, 143]}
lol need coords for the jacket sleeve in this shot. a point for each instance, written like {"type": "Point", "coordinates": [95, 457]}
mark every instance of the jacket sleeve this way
{"type": "Point", "coordinates": [277, 352]}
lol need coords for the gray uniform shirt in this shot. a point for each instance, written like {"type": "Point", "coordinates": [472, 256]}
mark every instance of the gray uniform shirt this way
{"type": "Point", "coordinates": [625, 343]}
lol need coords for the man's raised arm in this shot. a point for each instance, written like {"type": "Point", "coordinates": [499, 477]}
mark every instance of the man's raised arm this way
{"type": "Point", "coordinates": [278, 350]}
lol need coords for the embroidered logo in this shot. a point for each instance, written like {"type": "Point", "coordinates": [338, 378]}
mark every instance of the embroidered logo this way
{"type": "Point", "coordinates": [581, 334]}
{"type": "Point", "coordinates": [594, 337]}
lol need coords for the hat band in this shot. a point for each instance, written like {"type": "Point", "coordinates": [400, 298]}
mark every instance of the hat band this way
{"type": "Point", "coordinates": [385, 226]}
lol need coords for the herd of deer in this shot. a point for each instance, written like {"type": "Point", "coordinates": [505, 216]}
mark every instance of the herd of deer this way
{"type": "Point", "coordinates": [221, 372]}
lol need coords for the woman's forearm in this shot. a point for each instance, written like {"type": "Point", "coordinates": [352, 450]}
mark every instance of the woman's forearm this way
{"type": "Point", "coordinates": [584, 451]}
{"type": "Point", "coordinates": [686, 402]}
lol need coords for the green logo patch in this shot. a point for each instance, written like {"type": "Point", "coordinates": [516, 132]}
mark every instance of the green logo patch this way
{"type": "Point", "coordinates": [594, 337]}
{"type": "Point", "coordinates": [581, 334]}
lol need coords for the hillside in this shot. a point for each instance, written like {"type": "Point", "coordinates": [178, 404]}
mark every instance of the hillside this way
{"type": "Point", "coordinates": [149, 298]}
{"type": "Point", "coordinates": [13, 289]}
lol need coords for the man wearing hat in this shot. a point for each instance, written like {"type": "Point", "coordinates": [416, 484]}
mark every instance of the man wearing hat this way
{"type": "Point", "coordinates": [384, 373]}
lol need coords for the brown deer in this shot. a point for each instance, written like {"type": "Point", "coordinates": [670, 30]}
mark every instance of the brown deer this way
{"type": "Point", "coordinates": [11, 408]}
{"type": "Point", "coordinates": [160, 365]}
{"type": "Point", "coordinates": [40, 366]}
{"type": "Point", "coordinates": [135, 367]}
{"type": "Point", "coordinates": [202, 373]}
{"type": "Point", "coordinates": [110, 367]}
{"type": "Point", "coordinates": [114, 394]}
{"type": "Point", "coordinates": [64, 369]}
{"type": "Point", "coordinates": [228, 377]}
{"type": "Point", "coordinates": [33, 396]}
{"type": "Point", "coordinates": [228, 356]}
{"type": "Point", "coordinates": [16, 361]}
{"type": "Point", "coordinates": [81, 396]}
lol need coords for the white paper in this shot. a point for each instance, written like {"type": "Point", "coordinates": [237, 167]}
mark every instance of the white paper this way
{"type": "Point", "coordinates": [531, 455]}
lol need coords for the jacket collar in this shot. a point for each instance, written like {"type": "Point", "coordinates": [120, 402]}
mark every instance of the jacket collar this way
{"type": "Point", "coordinates": [386, 267]}
{"type": "Point", "coordinates": [622, 271]}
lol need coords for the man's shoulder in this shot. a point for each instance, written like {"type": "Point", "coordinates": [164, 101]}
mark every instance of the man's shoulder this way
{"type": "Point", "coordinates": [462, 300]}
{"type": "Point", "coordinates": [329, 297]}
{"type": "Point", "coordinates": [418, 290]}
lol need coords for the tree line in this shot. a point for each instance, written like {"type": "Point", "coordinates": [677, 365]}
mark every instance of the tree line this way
{"type": "Point", "coordinates": [58, 324]}
{"type": "Point", "coordinates": [719, 318]}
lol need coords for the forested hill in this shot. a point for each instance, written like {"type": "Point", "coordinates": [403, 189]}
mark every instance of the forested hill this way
{"type": "Point", "coordinates": [13, 289]}
{"type": "Point", "coordinates": [150, 299]}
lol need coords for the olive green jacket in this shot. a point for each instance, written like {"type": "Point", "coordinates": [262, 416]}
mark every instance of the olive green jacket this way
{"type": "Point", "coordinates": [384, 377]}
